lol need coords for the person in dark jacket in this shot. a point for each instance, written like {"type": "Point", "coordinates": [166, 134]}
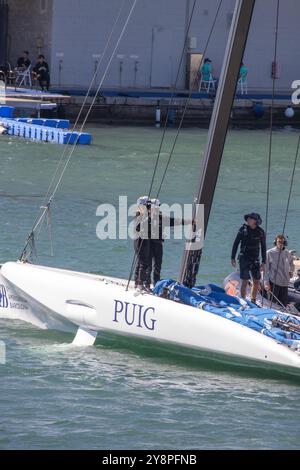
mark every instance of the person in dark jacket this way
{"type": "Point", "coordinates": [252, 241]}
{"type": "Point", "coordinates": [158, 223]}
{"type": "Point", "coordinates": [142, 244]}
{"type": "Point", "coordinates": [41, 69]}
{"type": "Point", "coordinates": [149, 244]}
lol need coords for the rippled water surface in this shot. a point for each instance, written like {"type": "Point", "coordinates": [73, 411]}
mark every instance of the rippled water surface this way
{"type": "Point", "coordinates": [125, 393]}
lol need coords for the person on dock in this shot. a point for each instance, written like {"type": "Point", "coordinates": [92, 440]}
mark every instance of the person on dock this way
{"type": "Point", "coordinates": [23, 62]}
{"type": "Point", "coordinates": [252, 240]}
{"type": "Point", "coordinates": [279, 271]}
{"type": "Point", "coordinates": [206, 70]}
{"type": "Point", "coordinates": [243, 72]}
{"type": "Point", "coordinates": [41, 69]}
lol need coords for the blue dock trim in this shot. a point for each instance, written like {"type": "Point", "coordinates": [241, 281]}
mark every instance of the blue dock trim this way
{"type": "Point", "coordinates": [166, 94]}
{"type": "Point", "coordinates": [56, 123]}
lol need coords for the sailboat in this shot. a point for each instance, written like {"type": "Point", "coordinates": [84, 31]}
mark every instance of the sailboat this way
{"type": "Point", "coordinates": [209, 322]}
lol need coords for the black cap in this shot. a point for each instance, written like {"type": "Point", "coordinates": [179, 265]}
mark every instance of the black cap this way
{"type": "Point", "coordinates": [255, 216]}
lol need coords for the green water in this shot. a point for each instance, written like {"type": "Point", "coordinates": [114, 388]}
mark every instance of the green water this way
{"type": "Point", "coordinates": [122, 393]}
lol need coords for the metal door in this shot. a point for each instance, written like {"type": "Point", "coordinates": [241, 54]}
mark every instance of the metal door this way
{"type": "Point", "coordinates": [161, 74]}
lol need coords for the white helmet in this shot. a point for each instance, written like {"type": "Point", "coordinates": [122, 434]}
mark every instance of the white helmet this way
{"type": "Point", "coordinates": [155, 202]}
{"type": "Point", "coordinates": [143, 201]}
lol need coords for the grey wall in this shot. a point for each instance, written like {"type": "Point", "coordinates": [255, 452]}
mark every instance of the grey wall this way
{"type": "Point", "coordinates": [29, 28]}
{"type": "Point", "coordinates": [260, 48]}
{"type": "Point", "coordinates": [155, 34]}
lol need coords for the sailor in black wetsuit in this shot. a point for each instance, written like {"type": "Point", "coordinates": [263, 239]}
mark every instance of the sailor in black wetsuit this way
{"type": "Point", "coordinates": [252, 241]}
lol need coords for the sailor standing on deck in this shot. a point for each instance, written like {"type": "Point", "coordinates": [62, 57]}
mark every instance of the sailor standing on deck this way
{"type": "Point", "coordinates": [150, 225]}
{"type": "Point", "coordinates": [142, 243]}
{"type": "Point", "coordinates": [252, 240]}
{"type": "Point", "coordinates": [280, 269]}
{"type": "Point", "coordinates": [159, 223]}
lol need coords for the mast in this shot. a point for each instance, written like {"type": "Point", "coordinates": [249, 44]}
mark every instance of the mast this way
{"type": "Point", "coordinates": [218, 129]}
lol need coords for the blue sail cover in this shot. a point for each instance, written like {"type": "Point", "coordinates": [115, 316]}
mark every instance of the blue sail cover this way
{"type": "Point", "coordinates": [214, 299]}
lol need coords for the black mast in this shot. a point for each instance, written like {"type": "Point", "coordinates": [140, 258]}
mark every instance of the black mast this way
{"type": "Point", "coordinates": [218, 129]}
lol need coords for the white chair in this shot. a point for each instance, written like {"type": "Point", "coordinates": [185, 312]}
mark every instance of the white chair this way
{"type": "Point", "coordinates": [23, 77]}
{"type": "Point", "coordinates": [207, 83]}
{"type": "Point", "coordinates": [242, 85]}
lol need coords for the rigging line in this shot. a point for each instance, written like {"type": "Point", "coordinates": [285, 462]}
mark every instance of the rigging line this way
{"type": "Point", "coordinates": [186, 104]}
{"type": "Point", "coordinates": [188, 100]}
{"type": "Point", "coordinates": [134, 260]}
{"type": "Point", "coordinates": [291, 186]}
{"type": "Point", "coordinates": [287, 210]}
{"type": "Point", "coordinates": [270, 153]}
{"type": "Point", "coordinates": [271, 295]}
{"type": "Point", "coordinates": [271, 118]}
{"type": "Point", "coordinates": [132, 268]}
{"type": "Point", "coordinates": [86, 96]}
{"type": "Point", "coordinates": [172, 96]}
{"type": "Point", "coordinates": [136, 254]}
{"type": "Point", "coordinates": [94, 98]}
{"type": "Point", "coordinates": [83, 124]}
{"type": "Point", "coordinates": [36, 223]}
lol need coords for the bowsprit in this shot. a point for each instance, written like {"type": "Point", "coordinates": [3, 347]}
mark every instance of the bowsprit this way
{"type": "Point", "coordinates": [134, 314]}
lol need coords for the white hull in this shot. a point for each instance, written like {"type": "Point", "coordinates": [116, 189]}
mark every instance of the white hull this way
{"type": "Point", "coordinates": [71, 301]}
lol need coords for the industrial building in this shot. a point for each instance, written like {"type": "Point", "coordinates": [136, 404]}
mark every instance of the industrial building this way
{"type": "Point", "coordinates": [73, 34]}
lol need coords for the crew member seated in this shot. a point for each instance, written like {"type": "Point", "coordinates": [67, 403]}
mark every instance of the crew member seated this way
{"type": "Point", "coordinates": [41, 69]}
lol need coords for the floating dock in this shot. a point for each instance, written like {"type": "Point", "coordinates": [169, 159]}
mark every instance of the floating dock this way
{"type": "Point", "coordinates": [38, 129]}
